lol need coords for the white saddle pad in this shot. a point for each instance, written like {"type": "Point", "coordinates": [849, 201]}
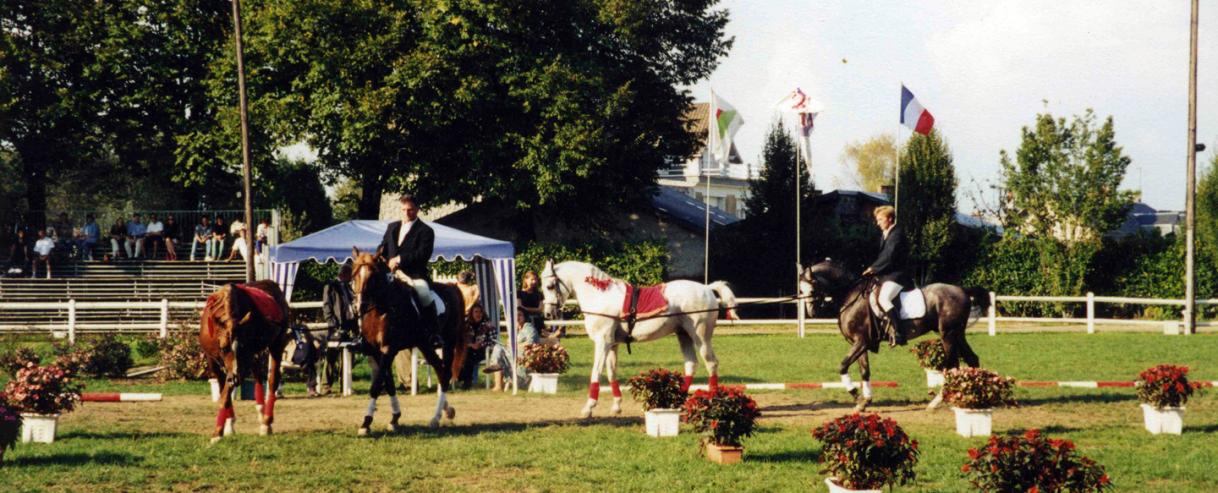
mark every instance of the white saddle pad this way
{"type": "Point", "coordinates": [435, 298]}
{"type": "Point", "coordinates": [913, 304]}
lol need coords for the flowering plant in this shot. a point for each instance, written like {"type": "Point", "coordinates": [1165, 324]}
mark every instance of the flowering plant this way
{"type": "Point", "coordinates": [43, 390]}
{"type": "Point", "coordinates": [658, 388]}
{"type": "Point", "coordinates": [1164, 386]}
{"type": "Point", "coordinates": [545, 358]}
{"type": "Point", "coordinates": [866, 451]}
{"type": "Point", "coordinates": [1033, 463]}
{"type": "Point", "coordinates": [10, 424]}
{"type": "Point", "coordinates": [724, 415]}
{"type": "Point", "coordinates": [930, 353]}
{"type": "Point", "coordinates": [182, 356]}
{"type": "Point", "coordinates": [977, 388]}
{"type": "Point", "coordinates": [16, 359]}
{"type": "Point", "coordinates": [72, 359]}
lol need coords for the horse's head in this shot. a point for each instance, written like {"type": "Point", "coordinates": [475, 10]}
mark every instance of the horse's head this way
{"type": "Point", "coordinates": [553, 291]}
{"type": "Point", "coordinates": [823, 278]}
{"type": "Point", "coordinates": [365, 265]}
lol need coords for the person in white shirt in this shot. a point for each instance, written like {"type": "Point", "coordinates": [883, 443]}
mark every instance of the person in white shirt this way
{"type": "Point", "coordinates": [155, 234]}
{"type": "Point", "coordinates": [239, 246]}
{"type": "Point", "coordinates": [42, 254]}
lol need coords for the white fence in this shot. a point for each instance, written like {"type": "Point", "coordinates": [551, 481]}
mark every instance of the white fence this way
{"type": "Point", "coordinates": [69, 326]}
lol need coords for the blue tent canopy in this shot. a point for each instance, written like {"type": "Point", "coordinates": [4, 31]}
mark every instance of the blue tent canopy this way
{"type": "Point", "coordinates": [334, 243]}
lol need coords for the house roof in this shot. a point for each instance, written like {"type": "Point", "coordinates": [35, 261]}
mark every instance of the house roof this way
{"type": "Point", "coordinates": [688, 212]}
{"type": "Point", "coordinates": [698, 122]}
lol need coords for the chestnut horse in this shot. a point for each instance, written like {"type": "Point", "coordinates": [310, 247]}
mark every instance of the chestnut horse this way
{"type": "Point", "coordinates": [237, 323]}
{"type": "Point", "coordinates": [387, 322]}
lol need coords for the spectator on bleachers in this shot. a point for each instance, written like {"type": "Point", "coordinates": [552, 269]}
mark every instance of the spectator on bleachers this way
{"type": "Point", "coordinates": [219, 233]}
{"type": "Point", "coordinates": [118, 234]}
{"type": "Point", "coordinates": [90, 233]}
{"type": "Point", "coordinates": [202, 236]}
{"type": "Point", "coordinates": [63, 233]}
{"type": "Point", "coordinates": [42, 253]}
{"type": "Point", "coordinates": [155, 235]}
{"type": "Point", "coordinates": [136, 231]}
{"type": "Point", "coordinates": [18, 253]}
{"type": "Point", "coordinates": [173, 232]}
{"type": "Point", "coordinates": [262, 234]}
{"type": "Point", "coordinates": [238, 232]}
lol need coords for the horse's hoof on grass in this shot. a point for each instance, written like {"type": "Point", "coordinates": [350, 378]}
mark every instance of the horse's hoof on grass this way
{"type": "Point", "coordinates": [363, 432]}
{"type": "Point", "coordinates": [434, 424]}
{"type": "Point", "coordinates": [392, 428]}
{"type": "Point", "coordinates": [862, 405]}
{"type": "Point", "coordinates": [585, 413]}
{"type": "Point", "coordinates": [615, 410]}
{"type": "Point", "coordinates": [215, 440]}
{"type": "Point", "coordinates": [450, 413]}
{"type": "Point", "coordinates": [264, 430]}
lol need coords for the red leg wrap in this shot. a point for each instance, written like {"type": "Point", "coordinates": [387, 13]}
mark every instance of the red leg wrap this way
{"type": "Point", "coordinates": [689, 380]}
{"type": "Point", "coordinates": [269, 408]}
{"type": "Point", "coordinates": [714, 382]}
{"type": "Point", "coordinates": [594, 390]}
{"type": "Point", "coordinates": [259, 394]}
{"type": "Point", "coordinates": [220, 417]}
{"type": "Point", "coordinates": [617, 390]}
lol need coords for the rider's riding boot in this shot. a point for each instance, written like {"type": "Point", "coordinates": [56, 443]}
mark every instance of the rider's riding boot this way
{"type": "Point", "coordinates": [430, 325]}
{"type": "Point", "coordinates": [895, 336]}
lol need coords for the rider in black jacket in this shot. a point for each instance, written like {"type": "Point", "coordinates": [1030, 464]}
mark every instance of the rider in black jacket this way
{"type": "Point", "coordinates": [889, 269]}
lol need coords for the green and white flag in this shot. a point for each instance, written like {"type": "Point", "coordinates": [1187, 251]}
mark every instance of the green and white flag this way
{"type": "Point", "coordinates": [724, 122]}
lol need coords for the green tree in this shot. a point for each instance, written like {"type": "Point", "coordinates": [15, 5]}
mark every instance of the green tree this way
{"type": "Point", "coordinates": [1064, 178]}
{"type": "Point", "coordinates": [873, 160]}
{"type": "Point", "coordinates": [772, 195]}
{"type": "Point", "coordinates": [1206, 208]}
{"type": "Point", "coordinates": [927, 208]}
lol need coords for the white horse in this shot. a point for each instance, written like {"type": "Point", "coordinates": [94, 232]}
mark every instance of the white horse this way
{"type": "Point", "coordinates": [692, 308]}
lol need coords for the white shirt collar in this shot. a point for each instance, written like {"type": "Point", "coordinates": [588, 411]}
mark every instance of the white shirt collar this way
{"type": "Point", "coordinates": [405, 229]}
{"type": "Point", "coordinates": [893, 225]}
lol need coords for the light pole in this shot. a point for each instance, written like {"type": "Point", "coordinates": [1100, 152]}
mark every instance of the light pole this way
{"type": "Point", "coordinates": [245, 146]}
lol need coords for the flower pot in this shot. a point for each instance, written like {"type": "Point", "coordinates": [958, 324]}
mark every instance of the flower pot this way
{"type": "Point", "coordinates": [724, 454]}
{"type": "Point", "coordinates": [973, 422]}
{"type": "Point", "coordinates": [934, 378]}
{"type": "Point", "coordinates": [836, 488]}
{"type": "Point", "coordinates": [543, 383]}
{"type": "Point", "coordinates": [1163, 420]}
{"type": "Point", "coordinates": [39, 428]}
{"type": "Point", "coordinates": [663, 422]}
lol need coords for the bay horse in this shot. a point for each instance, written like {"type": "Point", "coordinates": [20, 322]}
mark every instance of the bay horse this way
{"type": "Point", "coordinates": [387, 315]}
{"type": "Point", "coordinates": [691, 311]}
{"type": "Point", "coordinates": [238, 322]}
{"type": "Point", "coordinates": [948, 310]}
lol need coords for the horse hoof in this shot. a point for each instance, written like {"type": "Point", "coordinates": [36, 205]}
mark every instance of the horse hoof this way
{"type": "Point", "coordinates": [854, 392]}
{"type": "Point", "coordinates": [615, 410]}
{"type": "Point", "coordinates": [450, 413]}
{"type": "Point", "coordinates": [392, 428]}
{"type": "Point", "coordinates": [215, 440]}
{"type": "Point", "coordinates": [434, 424]}
{"type": "Point", "coordinates": [585, 413]}
{"type": "Point", "coordinates": [264, 430]}
{"type": "Point", "coordinates": [934, 404]}
{"type": "Point", "coordinates": [862, 405]}
{"type": "Point", "coordinates": [363, 432]}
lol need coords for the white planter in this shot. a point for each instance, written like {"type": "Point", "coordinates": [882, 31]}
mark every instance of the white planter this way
{"type": "Point", "coordinates": [973, 422]}
{"type": "Point", "coordinates": [38, 428]}
{"type": "Point", "coordinates": [663, 422]}
{"type": "Point", "coordinates": [934, 379]}
{"type": "Point", "coordinates": [543, 383]}
{"type": "Point", "coordinates": [835, 488]}
{"type": "Point", "coordinates": [1168, 420]}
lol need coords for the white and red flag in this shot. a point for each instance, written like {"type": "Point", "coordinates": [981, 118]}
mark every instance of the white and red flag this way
{"type": "Point", "coordinates": [913, 115]}
{"type": "Point", "coordinates": [807, 108]}
{"type": "Point", "coordinates": [725, 121]}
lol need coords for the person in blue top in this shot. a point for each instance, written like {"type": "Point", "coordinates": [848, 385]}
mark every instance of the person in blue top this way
{"type": "Point", "coordinates": [136, 231]}
{"type": "Point", "coordinates": [90, 234]}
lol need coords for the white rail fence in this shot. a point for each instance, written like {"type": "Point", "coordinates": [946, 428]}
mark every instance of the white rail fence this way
{"type": "Point", "coordinates": [63, 318]}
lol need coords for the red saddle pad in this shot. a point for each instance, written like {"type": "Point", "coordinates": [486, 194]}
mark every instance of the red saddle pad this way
{"type": "Point", "coordinates": [264, 303]}
{"type": "Point", "coordinates": [651, 300]}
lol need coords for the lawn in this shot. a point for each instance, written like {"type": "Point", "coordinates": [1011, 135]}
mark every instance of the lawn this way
{"type": "Point", "coordinates": [536, 443]}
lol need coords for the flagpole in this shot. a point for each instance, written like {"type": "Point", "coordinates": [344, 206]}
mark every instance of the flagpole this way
{"type": "Point", "coordinates": [711, 128]}
{"type": "Point", "coordinates": [706, 244]}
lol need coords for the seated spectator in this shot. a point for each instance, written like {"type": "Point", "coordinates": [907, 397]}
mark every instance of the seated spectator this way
{"type": "Point", "coordinates": [90, 234]}
{"type": "Point", "coordinates": [501, 361]}
{"type": "Point", "coordinates": [219, 233]}
{"type": "Point", "coordinates": [118, 235]}
{"type": "Point", "coordinates": [18, 254]}
{"type": "Point", "coordinates": [42, 253]}
{"type": "Point", "coordinates": [486, 336]}
{"type": "Point", "coordinates": [238, 231]}
{"type": "Point", "coordinates": [202, 236]}
{"type": "Point", "coordinates": [136, 231]}
{"type": "Point", "coordinates": [62, 231]}
{"type": "Point", "coordinates": [173, 232]}
{"type": "Point", "coordinates": [155, 235]}
{"type": "Point", "coordinates": [262, 235]}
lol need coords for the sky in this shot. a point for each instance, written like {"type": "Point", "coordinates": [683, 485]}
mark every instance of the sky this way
{"type": "Point", "coordinates": [984, 70]}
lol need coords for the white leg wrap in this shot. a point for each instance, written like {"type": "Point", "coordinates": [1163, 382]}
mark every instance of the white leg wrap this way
{"type": "Point", "coordinates": [866, 390]}
{"type": "Point", "coordinates": [393, 404]}
{"type": "Point", "coordinates": [371, 407]}
{"type": "Point", "coordinates": [441, 403]}
{"type": "Point", "coordinates": [846, 381]}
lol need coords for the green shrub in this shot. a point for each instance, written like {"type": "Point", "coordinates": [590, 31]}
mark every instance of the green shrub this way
{"type": "Point", "coordinates": [17, 358]}
{"type": "Point", "coordinates": [147, 347]}
{"type": "Point", "coordinates": [109, 357]}
{"type": "Point", "coordinates": [641, 262]}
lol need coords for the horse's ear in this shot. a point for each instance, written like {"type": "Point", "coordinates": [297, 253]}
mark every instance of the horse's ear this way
{"type": "Point", "coordinates": [354, 252]}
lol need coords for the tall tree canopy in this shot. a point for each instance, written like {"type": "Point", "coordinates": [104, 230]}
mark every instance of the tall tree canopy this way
{"type": "Point", "coordinates": [927, 208]}
{"type": "Point", "coordinates": [873, 160]}
{"type": "Point", "coordinates": [1064, 178]}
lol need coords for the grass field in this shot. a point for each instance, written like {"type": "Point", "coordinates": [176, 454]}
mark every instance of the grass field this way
{"type": "Point", "coordinates": [536, 443]}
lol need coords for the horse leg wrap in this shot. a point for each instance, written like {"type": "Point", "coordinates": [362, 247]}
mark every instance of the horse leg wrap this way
{"type": "Point", "coordinates": [269, 410]}
{"type": "Point", "coordinates": [866, 389]}
{"type": "Point", "coordinates": [689, 380]}
{"type": "Point", "coordinates": [367, 422]}
{"type": "Point", "coordinates": [221, 417]}
{"type": "Point", "coordinates": [617, 389]}
{"type": "Point", "coordinates": [594, 390]}
{"type": "Point", "coordinates": [371, 409]}
{"type": "Point", "coordinates": [846, 381]}
{"type": "Point", "coordinates": [393, 404]}
{"type": "Point", "coordinates": [713, 383]}
{"type": "Point", "coordinates": [259, 393]}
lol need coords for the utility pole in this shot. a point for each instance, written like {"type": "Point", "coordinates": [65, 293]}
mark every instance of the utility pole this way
{"type": "Point", "coordinates": [1190, 218]}
{"type": "Point", "coordinates": [245, 146]}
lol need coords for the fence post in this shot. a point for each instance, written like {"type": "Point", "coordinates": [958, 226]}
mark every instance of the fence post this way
{"type": "Point", "coordinates": [164, 318]}
{"type": "Point", "coordinates": [799, 310]}
{"type": "Point", "coordinates": [347, 387]}
{"type": "Point", "coordinates": [414, 372]}
{"type": "Point", "coordinates": [1090, 312]}
{"type": "Point", "coordinates": [993, 314]}
{"type": "Point", "coordinates": [72, 321]}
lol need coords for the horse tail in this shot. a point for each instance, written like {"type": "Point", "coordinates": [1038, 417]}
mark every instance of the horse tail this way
{"type": "Point", "coordinates": [727, 299]}
{"type": "Point", "coordinates": [979, 299]}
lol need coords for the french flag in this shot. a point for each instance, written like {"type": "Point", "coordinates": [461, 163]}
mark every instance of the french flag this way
{"type": "Point", "coordinates": [913, 115]}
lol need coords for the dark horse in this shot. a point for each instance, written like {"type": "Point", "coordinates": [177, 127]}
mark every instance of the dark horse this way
{"type": "Point", "coordinates": [948, 309]}
{"type": "Point", "coordinates": [387, 318]}
{"type": "Point", "coordinates": [238, 322]}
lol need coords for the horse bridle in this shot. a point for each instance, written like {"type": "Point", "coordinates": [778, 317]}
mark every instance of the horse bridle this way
{"type": "Point", "coordinates": [557, 285]}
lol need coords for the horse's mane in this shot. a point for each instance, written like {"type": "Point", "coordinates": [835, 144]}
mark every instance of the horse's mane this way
{"type": "Point", "coordinates": [593, 271]}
